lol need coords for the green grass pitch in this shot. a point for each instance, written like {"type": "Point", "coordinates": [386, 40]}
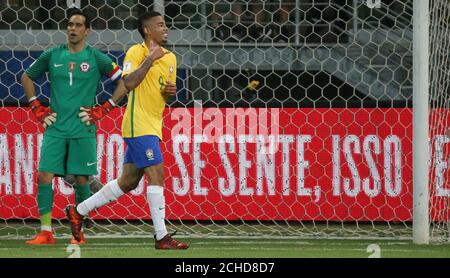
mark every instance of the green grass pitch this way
{"type": "Point", "coordinates": [227, 248]}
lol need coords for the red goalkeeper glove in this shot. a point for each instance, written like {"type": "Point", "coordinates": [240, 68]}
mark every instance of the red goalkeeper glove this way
{"type": "Point", "coordinates": [91, 115]}
{"type": "Point", "coordinates": [42, 113]}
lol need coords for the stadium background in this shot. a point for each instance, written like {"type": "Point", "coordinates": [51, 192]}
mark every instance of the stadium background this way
{"type": "Point", "coordinates": [335, 92]}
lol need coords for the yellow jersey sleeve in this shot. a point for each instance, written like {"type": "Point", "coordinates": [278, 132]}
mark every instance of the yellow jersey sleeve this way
{"type": "Point", "coordinates": [173, 68]}
{"type": "Point", "coordinates": [134, 57]}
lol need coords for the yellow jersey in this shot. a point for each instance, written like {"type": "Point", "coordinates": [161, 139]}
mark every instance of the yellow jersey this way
{"type": "Point", "coordinates": [144, 112]}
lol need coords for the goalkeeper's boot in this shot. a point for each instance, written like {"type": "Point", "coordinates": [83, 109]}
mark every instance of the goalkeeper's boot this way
{"type": "Point", "coordinates": [76, 221]}
{"type": "Point", "coordinates": [82, 239]}
{"type": "Point", "coordinates": [44, 237]}
{"type": "Point", "coordinates": [168, 243]}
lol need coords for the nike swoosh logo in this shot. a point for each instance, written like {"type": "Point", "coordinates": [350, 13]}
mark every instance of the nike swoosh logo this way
{"type": "Point", "coordinates": [90, 164]}
{"type": "Point", "coordinates": [57, 65]}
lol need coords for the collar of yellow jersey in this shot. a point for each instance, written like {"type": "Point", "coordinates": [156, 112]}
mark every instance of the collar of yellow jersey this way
{"type": "Point", "coordinates": [144, 45]}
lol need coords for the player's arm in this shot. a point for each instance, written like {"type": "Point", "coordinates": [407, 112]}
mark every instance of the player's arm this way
{"type": "Point", "coordinates": [133, 79]}
{"type": "Point", "coordinates": [170, 88]}
{"type": "Point", "coordinates": [42, 113]}
{"type": "Point", "coordinates": [28, 86]}
{"type": "Point", "coordinates": [90, 115]}
{"type": "Point", "coordinates": [119, 92]}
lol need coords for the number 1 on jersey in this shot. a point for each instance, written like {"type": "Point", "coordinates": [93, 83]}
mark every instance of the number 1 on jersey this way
{"type": "Point", "coordinates": [70, 78]}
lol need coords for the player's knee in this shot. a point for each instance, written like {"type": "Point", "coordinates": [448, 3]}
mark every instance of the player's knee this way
{"type": "Point", "coordinates": [156, 175]}
{"type": "Point", "coordinates": [81, 179]}
{"type": "Point", "coordinates": [45, 178]}
{"type": "Point", "coordinates": [159, 173]}
{"type": "Point", "coordinates": [160, 179]}
{"type": "Point", "coordinates": [128, 184]}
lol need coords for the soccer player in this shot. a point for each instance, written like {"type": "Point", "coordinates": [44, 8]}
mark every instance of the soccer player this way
{"type": "Point", "coordinates": [69, 146]}
{"type": "Point", "coordinates": [149, 73]}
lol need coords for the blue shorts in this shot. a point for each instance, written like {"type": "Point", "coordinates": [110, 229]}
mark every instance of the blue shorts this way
{"type": "Point", "coordinates": [143, 151]}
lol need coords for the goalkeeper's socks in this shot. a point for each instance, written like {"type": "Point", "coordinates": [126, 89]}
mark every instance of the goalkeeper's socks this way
{"type": "Point", "coordinates": [82, 192]}
{"type": "Point", "coordinates": [45, 204]}
{"type": "Point", "coordinates": [46, 222]}
{"type": "Point", "coordinates": [157, 203]}
{"type": "Point", "coordinates": [110, 192]}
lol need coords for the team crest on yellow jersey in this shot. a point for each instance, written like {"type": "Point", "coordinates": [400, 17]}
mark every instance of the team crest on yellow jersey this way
{"type": "Point", "coordinates": [149, 153]}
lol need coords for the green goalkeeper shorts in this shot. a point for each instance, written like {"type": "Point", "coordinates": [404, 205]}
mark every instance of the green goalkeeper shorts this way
{"type": "Point", "coordinates": [62, 156]}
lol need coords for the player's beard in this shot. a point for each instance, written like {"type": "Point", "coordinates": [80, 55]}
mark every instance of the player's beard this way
{"type": "Point", "coordinates": [76, 40]}
{"type": "Point", "coordinates": [160, 41]}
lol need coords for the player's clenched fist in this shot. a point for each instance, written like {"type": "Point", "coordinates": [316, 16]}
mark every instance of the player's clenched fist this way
{"type": "Point", "coordinates": [155, 52]}
{"type": "Point", "coordinates": [42, 113]}
{"type": "Point", "coordinates": [89, 116]}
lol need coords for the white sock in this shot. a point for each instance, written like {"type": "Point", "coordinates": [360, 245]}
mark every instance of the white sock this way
{"type": "Point", "coordinates": [46, 228]}
{"type": "Point", "coordinates": [110, 192]}
{"type": "Point", "coordinates": [157, 203]}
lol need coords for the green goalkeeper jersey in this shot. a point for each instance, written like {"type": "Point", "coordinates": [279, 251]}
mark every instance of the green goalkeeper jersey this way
{"type": "Point", "coordinates": [74, 80]}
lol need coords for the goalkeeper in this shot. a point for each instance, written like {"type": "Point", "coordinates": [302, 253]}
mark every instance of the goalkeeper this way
{"type": "Point", "coordinates": [69, 146]}
{"type": "Point", "coordinates": [149, 74]}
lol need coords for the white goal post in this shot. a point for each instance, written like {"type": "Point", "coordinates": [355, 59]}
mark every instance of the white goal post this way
{"type": "Point", "coordinates": [421, 24]}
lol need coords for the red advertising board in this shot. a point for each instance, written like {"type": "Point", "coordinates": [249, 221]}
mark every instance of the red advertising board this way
{"type": "Point", "coordinates": [251, 164]}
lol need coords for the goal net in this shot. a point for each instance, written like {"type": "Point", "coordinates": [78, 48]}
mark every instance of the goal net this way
{"type": "Point", "coordinates": [292, 118]}
{"type": "Point", "coordinates": [439, 118]}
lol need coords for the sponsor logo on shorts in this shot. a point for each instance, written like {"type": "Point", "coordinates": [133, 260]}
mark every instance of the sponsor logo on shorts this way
{"type": "Point", "coordinates": [90, 163]}
{"type": "Point", "coordinates": [149, 154]}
